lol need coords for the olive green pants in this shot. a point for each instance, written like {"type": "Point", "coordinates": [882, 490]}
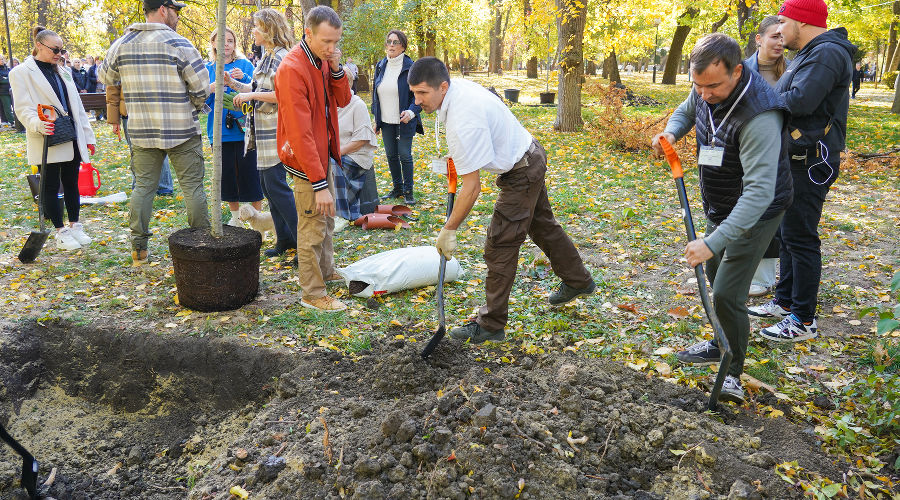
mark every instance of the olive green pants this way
{"type": "Point", "coordinates": [187, 161]}
{"type": "Point", "coordinates": [730, 275]}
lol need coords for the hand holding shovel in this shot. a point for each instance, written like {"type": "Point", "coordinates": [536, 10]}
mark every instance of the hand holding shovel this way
{"type": "Point", "coordinates": [442, 329]}
{"type": "Point", "coordinates": [36, 239]}
{"type": "Point", "coordinates": [724, 347]}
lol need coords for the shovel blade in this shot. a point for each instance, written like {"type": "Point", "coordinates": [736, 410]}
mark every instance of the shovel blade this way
{"type": "Point", "coordinates": [33, 246]}
{"type": "Point", "coordinates": [435, 340]}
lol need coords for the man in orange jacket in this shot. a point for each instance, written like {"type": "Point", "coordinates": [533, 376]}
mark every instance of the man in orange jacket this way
{"type": "Point", "coordinates": [310, 85]}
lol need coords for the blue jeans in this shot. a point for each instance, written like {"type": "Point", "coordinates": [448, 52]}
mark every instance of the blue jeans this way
{"type": "Point", "coordinates": [166, 184]}
{"type": "Point", "coordinates": [801, 250]}
{"type": "Point", "coordinates": [281, 205]}
{"type": "Point", "coordinates": [399, 156]}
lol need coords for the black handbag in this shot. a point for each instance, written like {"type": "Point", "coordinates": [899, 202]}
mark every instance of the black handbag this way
{"type": "Point", "coordinates": [63, 129]}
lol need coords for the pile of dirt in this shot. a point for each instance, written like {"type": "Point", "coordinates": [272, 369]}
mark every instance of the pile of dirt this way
{"type": "Point", "coordinates": [467, 423]}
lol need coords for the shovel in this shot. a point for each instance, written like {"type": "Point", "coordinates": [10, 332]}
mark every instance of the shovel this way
{"type": "Point", "coordinates": [442, 329]}
{"type": "Point", "coordinates": [724, 347]}
{"type": "Point", "coordinates": [36, 239]}
{"type": "Point", "coordinates": [29, 464]}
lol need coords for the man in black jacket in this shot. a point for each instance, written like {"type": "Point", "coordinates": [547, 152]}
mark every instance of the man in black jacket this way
{"type": "Point", "coordinates": [815, 88]}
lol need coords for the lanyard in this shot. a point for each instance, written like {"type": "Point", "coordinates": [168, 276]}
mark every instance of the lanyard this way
{"type": "Point", "coordinates": [437, 134]}
{"type": "Point", "coordinates": [712, 125]}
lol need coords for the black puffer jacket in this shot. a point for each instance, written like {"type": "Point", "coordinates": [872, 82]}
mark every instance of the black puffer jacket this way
{"type": "Point", "coordinates": [815, 87]}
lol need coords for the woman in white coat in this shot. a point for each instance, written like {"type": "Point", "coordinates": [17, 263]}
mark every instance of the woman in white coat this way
{"type": "Point", "coordinates": [39, 80]}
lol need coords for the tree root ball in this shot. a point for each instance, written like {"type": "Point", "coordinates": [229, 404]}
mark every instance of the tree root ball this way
{"type": "Point", "coordinates": [215, 274]}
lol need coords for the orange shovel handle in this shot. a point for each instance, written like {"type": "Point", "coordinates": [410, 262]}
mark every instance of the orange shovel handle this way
{"type": "Point", "coordinates": [451, 176]}
{"type": "Point", "coordinates": [46, 113]}
{"type": "Point", "coordinates": [671, 157]}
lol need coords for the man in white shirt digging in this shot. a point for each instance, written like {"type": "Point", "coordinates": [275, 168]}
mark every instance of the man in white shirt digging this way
{"type": "Point", "coordinates": [483, 135]}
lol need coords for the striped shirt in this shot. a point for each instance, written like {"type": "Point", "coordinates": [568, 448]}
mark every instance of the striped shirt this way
{"type": "Point", "coordinates": [165, 83]}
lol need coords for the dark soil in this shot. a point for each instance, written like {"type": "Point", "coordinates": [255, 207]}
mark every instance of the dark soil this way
{"type": "Point", "coordinates": [145, 416]}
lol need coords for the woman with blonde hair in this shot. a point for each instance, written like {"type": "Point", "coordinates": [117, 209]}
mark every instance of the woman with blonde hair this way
{"type": "Point", "coordinates": [40, 80]}
{"type": "Point", "coordinates": [240, 179]}
{"type": "Point", "coordinates": [272, 33]}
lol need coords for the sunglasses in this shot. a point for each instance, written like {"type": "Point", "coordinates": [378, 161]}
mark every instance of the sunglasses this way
{"type": "Point", "coordinates": [393, 42]}
{"type": "Point", "coordinates": [56, 50]}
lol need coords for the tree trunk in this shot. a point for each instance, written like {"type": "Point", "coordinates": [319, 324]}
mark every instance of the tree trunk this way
{"type": "Point", "coordinates": [744, 14]}
{"type": "Point", "coordinates": [896, 107]}
{"type": "Point", "coordinates": [613, 62]}
{"type": "Point", "coordinates": [570, 24]}
{"type": "Point", "coordinates": [216, 184]}
{"type": "Point", "coordinates": [495, 49]}
{"type": "Point", "coordinates": [892, 56]}
{"type": "Point", "coordinates": [430, 43]}
{"type": "Point", "coordinates": [604, 68]}
{"type": "Point", "coordinates": [531, 67]}
{"type": "Point", "coordinates": [591, 68]}
{"type": "Point", "coordinates": [43, 10]}
{"type": "Point", "coordinates": [673, 57]}
{"type": "Point", "coordinates": [718, 24]}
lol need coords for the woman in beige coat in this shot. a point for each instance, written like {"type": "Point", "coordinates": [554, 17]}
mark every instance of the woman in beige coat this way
{"type": "Point", "coordinates": [39, 80]}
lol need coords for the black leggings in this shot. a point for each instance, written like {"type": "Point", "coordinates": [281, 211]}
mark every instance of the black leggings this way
{"type": "Point", "coordinates": [67, 172]}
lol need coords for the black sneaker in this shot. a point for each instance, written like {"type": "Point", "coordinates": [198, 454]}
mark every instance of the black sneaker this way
{"type": "Point", "coordinates": [395, 193]}
{"type": "Point", "coordinates": [474, 333]}
{"type": "Point", "coordinates": [565, 294]}
{"type": "Point", "coordinates": [704, 353]}
{"type": "Point", "coordinates": [278, 249]}
{"type": "Point", "coordinates": [409, 198]}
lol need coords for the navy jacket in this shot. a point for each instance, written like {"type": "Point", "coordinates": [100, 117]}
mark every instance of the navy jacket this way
{"type": "Point", "coordinates": [92, 79]}
{"type": "Point", "coordinates": [815, 87]}
{"type": "Point", "coordinates": [753, 63]}
{"type": "Point", "coordinates": [81, 78]}
{"type": "Point", "coordinates": [407, 100]}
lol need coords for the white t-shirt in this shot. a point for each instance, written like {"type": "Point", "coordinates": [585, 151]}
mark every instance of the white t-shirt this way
{"type": "Point", "coordinates": [354, 124]}
{"type": "Point", "coordinates": [482, 132]}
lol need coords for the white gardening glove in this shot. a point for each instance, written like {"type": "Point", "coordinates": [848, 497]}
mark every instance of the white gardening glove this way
{"type": "Point", "coordinates": [446, 243]}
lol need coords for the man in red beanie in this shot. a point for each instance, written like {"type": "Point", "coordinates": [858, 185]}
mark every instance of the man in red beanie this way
{"type": "Point", "coordinates": [815, 88]}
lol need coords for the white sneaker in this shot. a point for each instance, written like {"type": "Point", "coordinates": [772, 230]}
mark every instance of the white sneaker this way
{"type": "Point", "coordinates": [770, 309]}
{"type": "Point", "coordinates": [65, 240]}
{"type": "Point", "coordinates": [236, 222]}
{"type": "Point", "coordinates": [77, 232]}
{"type": "Point", "coordinates": [757, 290]}
{"type": "Point", "coordinates": [790, 329]}
{"type": "Point", "coordinates": [340, 223]}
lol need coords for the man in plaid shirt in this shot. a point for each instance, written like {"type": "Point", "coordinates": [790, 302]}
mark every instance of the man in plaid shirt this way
{"type": "Point", "coordinates": [165, 84]}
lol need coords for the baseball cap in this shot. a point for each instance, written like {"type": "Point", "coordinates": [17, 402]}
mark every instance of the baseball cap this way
{"type": "Point", "coordinates": [155, 4]}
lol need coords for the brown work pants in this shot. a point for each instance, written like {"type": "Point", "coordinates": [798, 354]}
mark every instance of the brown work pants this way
{"type": "Point", "coordinates": [522, 209]}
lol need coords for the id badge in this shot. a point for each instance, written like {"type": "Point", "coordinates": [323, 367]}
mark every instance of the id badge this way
{"type": "Point", "coordinates": [439, 165]}
{"type": "Point", "coordinates": [711, 156]}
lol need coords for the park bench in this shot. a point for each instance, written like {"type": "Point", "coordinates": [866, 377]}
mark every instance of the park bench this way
{"type": "Point", "coordinates": [94, 101]}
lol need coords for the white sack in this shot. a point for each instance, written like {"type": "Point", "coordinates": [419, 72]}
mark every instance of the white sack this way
{"type": "Point", "coordinates": [400, 269]}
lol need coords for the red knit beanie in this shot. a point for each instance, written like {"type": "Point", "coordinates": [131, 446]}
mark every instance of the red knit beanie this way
{"type": "Point", "coordinates": [813, 12]}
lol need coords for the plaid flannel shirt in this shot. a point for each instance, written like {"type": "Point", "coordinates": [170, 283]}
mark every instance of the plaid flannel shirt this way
{"type": "Point", "coordinates": [164, 81]}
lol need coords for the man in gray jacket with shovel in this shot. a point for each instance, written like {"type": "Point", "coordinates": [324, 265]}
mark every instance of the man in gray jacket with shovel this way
{"type": "Point", "coordinates": [744, 182]}
{"type": "Point", "coordinates": [483, 135]}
